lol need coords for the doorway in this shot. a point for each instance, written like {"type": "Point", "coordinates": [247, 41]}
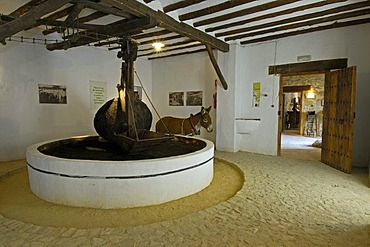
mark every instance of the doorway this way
{"type": "Point", "coordinates": [302, 106]}
{"type": "Point", "coordinates": [339, 108]}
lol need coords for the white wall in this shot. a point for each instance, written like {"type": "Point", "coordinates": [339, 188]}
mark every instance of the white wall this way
{"type": "Point", "coordinates": [181, 74]}
{"type": "Point", "coordinates": [23, 66]}
{"type": "Point", "coordinates": [350, 42]}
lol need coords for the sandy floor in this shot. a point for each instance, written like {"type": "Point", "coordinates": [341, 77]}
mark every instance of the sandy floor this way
{"type": "Point", "coordinates": [283, 202]}
{"type": "Point", "coordinates": [18, 202]}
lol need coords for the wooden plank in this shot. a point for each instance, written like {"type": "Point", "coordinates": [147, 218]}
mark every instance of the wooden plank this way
{"type": "Point", "coordinates": [76, 10]}
{"type": "Point", "coordinates": [190, 32]}
{"type": "Point", "coordinates": [105, 8]}
{"type": "Point", "coordinates": [321, 65]}
{"type": "Point", "coordinates": [248, 11]}
{"type": "Point", "coordinates": [213, 9]}
{"type": "Point", "coordinates": [26, 7]}
{"type": "Point", "coordinates": [180, 5]}
{"type": "Point", "coordinates": [296, 18]}
{"type": "Point", "coordinates": [293, 89]}
{"type": "Point", "coordinates": [338, 118]}
{"type": "Point", "coordinates": [127, 28]}
{"type": "Point", "coordinates": [180, 43]}
{"type": "Point", "coordinates": [178, 54]}
{"type": "Point", "coordinates": [216, 67]}
{"type": "Point", "coordinates": [308, 30]}
{"type": "Point", "coordinates": [272, 15]}
{"type": "Point", "coordinates": [30, 18]}
{"type": "Point", "coordinates": [167, 49]}
{"type": "Point", "coordinates": [295, 25]}
{"type": "Point", "coordinates": [169, 23]}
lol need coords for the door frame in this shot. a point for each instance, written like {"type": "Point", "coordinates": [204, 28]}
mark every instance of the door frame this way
{"type": "Point", "coordinates": [312, 67]}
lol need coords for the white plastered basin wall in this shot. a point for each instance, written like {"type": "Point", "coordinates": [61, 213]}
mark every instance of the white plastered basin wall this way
{"type": "Point", "coordinates": [118, 184]}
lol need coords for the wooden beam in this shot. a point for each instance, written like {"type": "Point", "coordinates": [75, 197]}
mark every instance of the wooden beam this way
{"type": "Point", "coordinates": [308, 30]}
{"type": "Point", "coordinates": [30, 18]}
{"type": "Point", "coordinates": [77, 8]}
{"type": "Point", "coordinates": [169, 49]}
{"type": "Point", "coordinates": [58, 24]}
{"type": "Point", "coordinates": [131, 6]}
{"type": "Point", "coordinates": [293, 89]}
{"type": "Point", "coordinates": [180, 5]}
{"type": "Point", "coordinates": [271, 15]}
{"type": "Point", "coordinates": [190, 32]}
{"type": "Point", "coordinates": [26, 7]}
{"type": "Point", "coordinates": [169, 23]}
{"type": "Point", "coordinates": [216, 67]}
{"type": "Point", "coordinates": [180, 43]}
{"type": "Point", "coordinates": [321, 65]}
{"type": "Point", "coordinates": [151, 34]}
{"type": "Point", "coordinates": [303, 18]}
{"type": "Point", "coordinates": [178, 54]}
{"type": "Point", "coordinates": [248, 11]}
{"type": "Point", "coordinates": [105, 9]}
{"type": "Point", "coordinates": [127, 28]}
{"type": "Point", "coordinates": [213, 9]}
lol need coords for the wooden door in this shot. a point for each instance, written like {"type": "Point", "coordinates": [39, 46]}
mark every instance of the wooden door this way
{"type": "Point", "coordinates": [338, 118]}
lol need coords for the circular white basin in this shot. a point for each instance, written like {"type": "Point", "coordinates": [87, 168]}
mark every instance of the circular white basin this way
{"type": "Point", "coordinates": [117, 184]}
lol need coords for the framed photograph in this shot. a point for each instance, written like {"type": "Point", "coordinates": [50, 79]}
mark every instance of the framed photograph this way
{"type": "Point", "coordinates": [52, 94]}
{"type": "Point", "coordinates": [176, 98]}
{"type": "Point", "coordinates": [194, 98]}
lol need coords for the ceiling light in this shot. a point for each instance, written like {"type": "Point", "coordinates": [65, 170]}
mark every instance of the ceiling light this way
{"type": "Point", "coordinates": [158, 46]}
{"type": "Point", "coordinates": [310, 95]}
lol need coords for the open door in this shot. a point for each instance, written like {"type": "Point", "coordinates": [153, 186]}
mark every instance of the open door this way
{"type": "Point", "coordinates": [338, 118]}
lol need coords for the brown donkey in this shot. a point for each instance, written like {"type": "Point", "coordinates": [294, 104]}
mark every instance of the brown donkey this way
{"type": "Point", "coordinates": [186, 126]}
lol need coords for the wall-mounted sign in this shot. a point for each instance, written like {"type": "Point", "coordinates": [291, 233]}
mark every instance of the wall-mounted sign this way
{"type": "Point", "coordinates": [98, 94]}
{"type": "Point", "coordinates": [256, 94]}
{"type": "Point", "coordinates": [304, 58]}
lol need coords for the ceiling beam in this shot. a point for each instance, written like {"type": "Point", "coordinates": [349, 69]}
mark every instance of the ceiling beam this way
{"type": "Point", "coordinates": [302, 24]}
{"type": "Point", "coordinates": [128, 28]}
{"type": "Point", "coordinates": [213, 9]}
{"type": "Point", "coordinates": [321, 65]}
{"type": "Point", "coordinates": [163, 51]}
{"type": "Point", "coordinates": [271, 15]}
{"type": "Point", "coordinates": [294, 19]}
{"type": "Point", "coordinates": [180, 43]}
{"type": "Point", "coordinates": [178, 54]}
{"type": "Point", "coordinates": [58, 24]}
{"type": "Point", "coordinates": [190, 32]}
{"type": "Point", "coordinates": [169, 23]}
{"type": "Point", "coordinates": [77, 8]}
{"type": "Point", "coordinates": [180, 5]}
{"type": "Point", "coordinates": [243, 12]}
{"type": "Point", "coordinates": [26, 7]}
{"type": "Point", "coordinates": [216, 67]}
{"type": "Point", "coordinates": [308, 30]}
{"type": "Point", "coordinates": [104, 8]}
{"type": "Point", "coordinates": [30, 18]}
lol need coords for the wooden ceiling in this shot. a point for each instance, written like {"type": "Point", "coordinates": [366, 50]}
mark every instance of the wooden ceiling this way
{"type": "Point", "coordinates": [186, 26]}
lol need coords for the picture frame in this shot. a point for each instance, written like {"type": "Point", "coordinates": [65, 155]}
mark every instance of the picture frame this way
{"type": "Point", "coordinates": [194, 98]}
{"type": "Point", "coordinates": [176, 98]}
{"type": "Point", "coordinates": [52, 94]}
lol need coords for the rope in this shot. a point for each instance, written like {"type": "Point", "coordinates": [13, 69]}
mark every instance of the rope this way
{"type": "Point", "coordinates": [151, 103]}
